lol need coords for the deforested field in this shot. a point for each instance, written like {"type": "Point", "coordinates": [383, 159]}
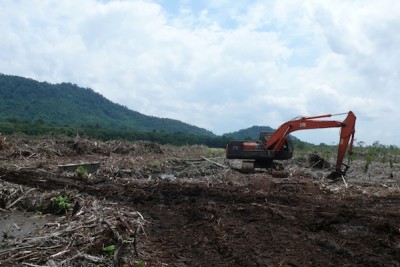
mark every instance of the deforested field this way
{"type": "Point", "coordinates": [153, 205]}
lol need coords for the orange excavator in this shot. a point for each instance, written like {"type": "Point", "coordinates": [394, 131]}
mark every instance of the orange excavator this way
{"type": "Point", "coordinates": [278, 145]}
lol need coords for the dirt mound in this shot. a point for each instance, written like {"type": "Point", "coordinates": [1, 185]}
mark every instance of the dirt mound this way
{"type": "Point", "coordinates": [152, 205]}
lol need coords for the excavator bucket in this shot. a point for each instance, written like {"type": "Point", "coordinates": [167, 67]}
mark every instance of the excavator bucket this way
{"type": "Point", "coordinates": [337, 174]}
{"type": "Point", "coordinates": [334, 175]}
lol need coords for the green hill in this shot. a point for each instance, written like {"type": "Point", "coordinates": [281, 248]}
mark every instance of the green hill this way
{"type": "Point", "coordinates": [28, 100]}
{"type": "Point", "coordinates": [252, 133]}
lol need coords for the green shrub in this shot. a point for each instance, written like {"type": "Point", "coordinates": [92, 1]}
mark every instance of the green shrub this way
{"type": "Point", "coordinates": [82, 171]}
{"type": "Point", "coordinates": [62, 203]}
{"type": "Point", "coordinates": [109, 249]}
{"type": "Point", "coordinates": [139, 263]}
{"type": "Point", "coordinates": [368, 161]}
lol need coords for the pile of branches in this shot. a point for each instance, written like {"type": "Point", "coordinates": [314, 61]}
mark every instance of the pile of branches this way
{"type": "Point", "coordinates": [81, 231]}
{"type": "Point", "coordinates": [49, 147]}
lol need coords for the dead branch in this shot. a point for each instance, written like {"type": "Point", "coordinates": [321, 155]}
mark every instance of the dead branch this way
{"type": "Point", "coordinates": [19, 199]}
{"type": "Point", "coordinates": [111, 228]}
{"type": "Point", "coordinates": [4, 210]}
{"type": "Point", "coordinates": [344, 181]}
{"type": "Point", "coordinates": [120, 247]}
{"type": "Point", "coordinates": [59, 253]}
{"type": "Point", "coordinates": [4, 251]}
{"type": "Point", "coordinates": [213, 162]}
{"type": "Point", "coordinates": [27, 168]}
{"type": "Point", "coordinates": [29, 254]}
{"type": "Point", "coordinates": [115, 149]}
{"type": "Point", "coordinates": [33, 265]}
{"type": "Point", "coordinates": [135, 242]}
{"type": "Point", "coordinates": [48, 248]}
{"type": "Point", "coordinates": [84, 256]}
{"type": "Point", "coordinates": [51, 263]}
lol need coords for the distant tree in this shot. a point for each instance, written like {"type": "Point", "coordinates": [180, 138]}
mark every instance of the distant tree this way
{"type": "Point", "coordinates": [361, 143]}
{"type": "Point", "coordinates": [376, 144]}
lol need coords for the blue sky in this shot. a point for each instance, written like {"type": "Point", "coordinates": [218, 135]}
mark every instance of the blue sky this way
{"type": "Point", "coordinates": [221, 65]}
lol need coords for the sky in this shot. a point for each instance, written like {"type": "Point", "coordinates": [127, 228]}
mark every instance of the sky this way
{"type": "Point", "coordinates": [220, 65]}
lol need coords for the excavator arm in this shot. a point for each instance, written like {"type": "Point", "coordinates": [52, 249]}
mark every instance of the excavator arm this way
{"type": "Point", "coordinates": [346, 141]}
{"type": "Point", "coordinates": [278, 139]}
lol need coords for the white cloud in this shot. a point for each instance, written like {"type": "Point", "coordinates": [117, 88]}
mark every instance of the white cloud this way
{"type": "Point", "coordinates": [221, 65]}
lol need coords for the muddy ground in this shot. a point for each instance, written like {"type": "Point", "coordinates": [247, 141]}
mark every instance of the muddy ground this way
{"type": "Point", "coordinates": [152, 205]}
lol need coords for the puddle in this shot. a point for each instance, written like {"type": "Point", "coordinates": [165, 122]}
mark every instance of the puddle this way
{"type": "Point", "coordinates": [20, 224]}
{"type": "Point", "coordinates": [169, 177]}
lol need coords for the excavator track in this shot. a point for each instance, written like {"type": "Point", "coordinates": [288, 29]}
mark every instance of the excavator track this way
{"type": "Point", "coordinates": [275, 169]}
{"type": "Point", "coordinates": [247, 166]}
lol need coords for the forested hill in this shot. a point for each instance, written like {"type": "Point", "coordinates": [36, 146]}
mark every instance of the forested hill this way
{"type": "Point", "coordinates": [67, 104]}
{"type": "Point", "coordinates": [249, 133]}
{"type": "Point", "coordinates": [253, 133]}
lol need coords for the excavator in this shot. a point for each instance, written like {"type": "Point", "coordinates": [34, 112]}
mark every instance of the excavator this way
{"type": "Point", "coordinates": [277, 145]}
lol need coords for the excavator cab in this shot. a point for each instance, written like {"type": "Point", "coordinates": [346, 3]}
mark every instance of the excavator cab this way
{"type": "Point", "coordinates": [287, 149]}
{"type": "Point", "coordinates": [254, 152]}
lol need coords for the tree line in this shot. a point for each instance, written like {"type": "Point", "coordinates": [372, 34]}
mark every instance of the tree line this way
{"type": "Point", "coordinates": [95, 131]}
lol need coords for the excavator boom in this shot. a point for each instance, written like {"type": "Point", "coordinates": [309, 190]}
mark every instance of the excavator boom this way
{"type": "Point", "coordinates": [277, 145]}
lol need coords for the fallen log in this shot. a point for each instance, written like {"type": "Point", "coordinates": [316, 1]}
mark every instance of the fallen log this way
{"type": "Point", "coordinates": [213, 162]}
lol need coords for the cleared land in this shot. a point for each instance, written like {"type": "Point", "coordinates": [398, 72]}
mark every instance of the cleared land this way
{"type": "Point", "coordinates": [152, 205]}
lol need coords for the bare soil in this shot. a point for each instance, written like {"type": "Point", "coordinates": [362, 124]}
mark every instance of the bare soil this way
{"type": "Point", "coordinates": [152, 205]}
